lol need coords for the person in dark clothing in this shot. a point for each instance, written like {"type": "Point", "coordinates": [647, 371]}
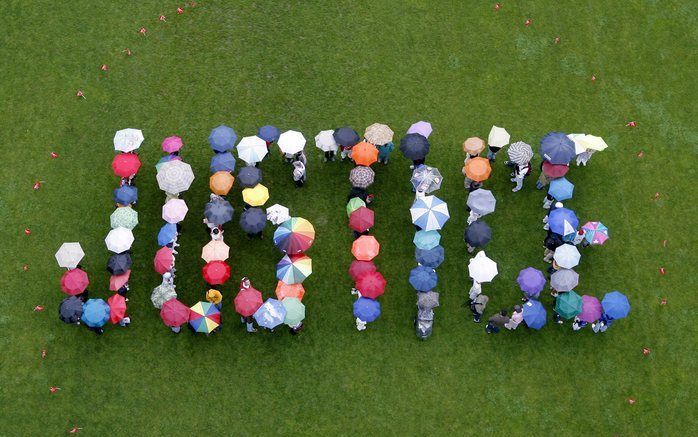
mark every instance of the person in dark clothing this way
{"type": "Point", "coordinates": [357, 234]}
{"type": "Point", "coordinates": [295, 330]}
{"type": "Point", "coordinates": [477, 307]}
{"type": "Point", "coordinates": [496, 322]}
{"type": "Point", "coordinates": [96, 330]}
{"type": "Point", "coordinates": [357, 192]}
{"type": "Point", "coordinates": [417, 162]}
{"type": "Point", "coordinates": [84, 296]}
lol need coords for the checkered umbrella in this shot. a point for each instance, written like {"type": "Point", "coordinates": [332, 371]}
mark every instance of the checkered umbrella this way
{"type": "Point", "coordinates": [361, 176]}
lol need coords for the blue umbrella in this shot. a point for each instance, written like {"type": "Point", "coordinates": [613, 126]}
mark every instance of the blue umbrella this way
{"type": "Point", "coordinates": [253, 221]}
{"type": "Point", "coordinates": [430, 257]}
{"type": "Point", "coordinates": [534, 314]}
{"type": "Point", "coordinates": [222, 138]}
{"type": "Point", "coordinates": [414, 146]}
{"type": "Point", "coordinates": [367, 309]}
{"type": "Point", "coordinates": [269, 133]}
{"type": "Point", "coordinates": [478, 234]}
{"type": "Point", "coordinates": [95, 313]}
{"type": "Point", "coordinates": [346, 136]}
{"type": "Point", "coordinates": [167, 233]}
{"type": "Point", "coordinates": [561, 189]}
{"type": "Point", "coordinates": [615, 304]}
{"type": "Point", "coordinates": [429, 213]}
{"type": "Point", "coordinates": [423, 278]}
{"type": "Point", "coordinates": [165, 159]}
{"type": "Point", "coordinates": [563, 221]}
{"type": "Point", "coordinates": [218, 212]}
{"type": "Point", "coordinates": [556, 148]}
{"type": "Point", "coordinates": [271, 314]}
{"type": "Point", "coordinates": [249, 176]}
{"type": "Point", "coordinates": [426, 239]}
{"type": "Point", "coordinates": [223, 162]}
{"type": "Point", "coordinates": [126, 195]}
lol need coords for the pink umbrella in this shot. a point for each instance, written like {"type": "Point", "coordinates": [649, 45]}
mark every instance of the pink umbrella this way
{"type": "Point", "coordinates": [421, 127]}
{"type": "Point", "coordinates": [117, 308]}
{"type": "Point", "coordinates": [164, 258]}
{"type": "Point", "coordinates": [174, 211]}
{"type": "Point", "coordinates": [591, 309]}
{"type": "Point", "coordinates": [172, 144]}
{"type": "Point", "coordinates": [118, 281]}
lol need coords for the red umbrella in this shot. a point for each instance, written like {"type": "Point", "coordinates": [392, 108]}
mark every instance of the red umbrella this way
{"type": "Point", "coordinates": [164, 258]}
{"type": "Point", "coordinates": [358, 268]}
{"type": "Point", "coordinates": [126, 164]}
{"type": "Point", "coordinates": [117, 308]}
{"type": "Point", "coordinates": [555, 170]}
{"type": "Point", "coordinates": [74, 282]}
{"type": "Point", "coordinates": [371, 285]}
{"type": "Point", "coordinates": [361, 219]}
{"type": "Point", "coordinates": [174, 313]}
{"type": "Point", "coordinates": [247, 301]}
{"type": "Point", "coordinates": [216, 272]}
{"type": "Point", "coordinates": [118, 281]}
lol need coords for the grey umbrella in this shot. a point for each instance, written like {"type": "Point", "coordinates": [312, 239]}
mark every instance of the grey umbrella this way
{"type": "Point", "coordinates": [253, 221]}
{"type": "Point", "coordinates": [428, 300]}
{"type": "Point", "coordinates": [414, 146]}
{"type": "Point", "coordinates": [161, 294]}
{"type": "Point", "coordinates": [481, 201]}
{"type": "Point", "coordinates": [564, 280]}
{"type": "Point", "coordinates": [478, 234]}
{"type": "Point", "coordinates": [346, 136]}
{"type": "Point", "coordinates": [361, 177]}
{"type": "Point", "coordinates": [70, 310]}
{"type": "Point", "coordinates": [249, 176]}
{"type": "Point", "coordinates": [119, 263]}
{"type": "Point", "coordinates": [218, 212]}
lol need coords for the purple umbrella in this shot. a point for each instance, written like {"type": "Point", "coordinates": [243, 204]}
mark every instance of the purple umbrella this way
{"type": "Point", "coordinates": [421, 127]}
{"type": "Point", "coordinates": [531, 281]}
{"type": "Point", "coordinates": [591, 309]}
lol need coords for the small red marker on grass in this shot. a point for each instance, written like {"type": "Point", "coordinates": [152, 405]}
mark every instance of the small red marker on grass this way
{"type": "Point", "coordinates": [593, 78]}
{"type": "Point", "coordinates": [54, 155]}
{"type": "Point", "coordinates": [38, 308]}
{"type": "Point", "coordinates": [497, 6]}
{"type": "Point", "coordinates": [640, 154]}
{"type": "Point", "coordinates": [631, 401]}
{"type": "Point", "coordinates": [557, 40]}
{"type": "Point", "coordinates": [43, 353]}
{"type": "Point", "coordinates": [53, 389]}
{"type": "Point", "coordinates": [631, 124]}
{"type": "Point", "coordinates": [162, 18]}
{"type": "Point", "coordinates": [645, 351]}
{"type": "Point", "coordinates": [27, 231]}
{"type": "Point", "coordinates": [662, 271]}
{"type": "Point", "coordinates": [663, 301]}
{"type": "Point", "coordinates": [528, 22]}
{"type": "Point", "coordinates": [142, 30]}
{"type": "Point", "coordinates": [104, 67]}
{"type": "Point", "coordinates": [80, 94]}
{"type": "Point", "coordinates": [180, 11]}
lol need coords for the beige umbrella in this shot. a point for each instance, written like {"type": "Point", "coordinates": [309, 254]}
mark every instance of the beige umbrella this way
{"type": "Point", "coordinates": [498, 137]}
{"type": "Point", "coordinates": [594, 143]}
{"type": "Point", "coordinates": [474, 145]}
{"type": "Point", "coordinates": [378, 133]}
{"type": "Point", "coordinates": [215, 250]}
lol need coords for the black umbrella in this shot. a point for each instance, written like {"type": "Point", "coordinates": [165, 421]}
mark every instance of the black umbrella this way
{"type": "Point", "coordinates": [414, 146]}
{"type": "Point", "coordinates": [249, 176]}
{"type": "Point", "coordinates": [553, 241]}
{"type": "Point", "coordinates": [346, 136]}
{"type": "Point", "coordinates": [218, 212]}
{"type": "Point", "coordinates": [253, 221]}
{"type": "Point", "coordinates": [478, 234]}
{"type": "Point", "coordinates": [119, 263]}
{"type": "Point", "coordinates": [357, 192]}
{"type": "Point", "coordinates": [70, 310]}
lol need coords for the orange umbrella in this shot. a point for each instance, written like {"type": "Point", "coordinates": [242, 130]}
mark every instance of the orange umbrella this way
{"type": "Point", "coordinates": [289, 290]}
{"type": "Point", "coordinates": [365, 248]}
{"type": "Point", "coordinates": [478, 169]}
{"type": "Point", "coordinates": [364, 153]}
{"type": "Point", "coordinates": [221, 182]}
{"type": "Point", "coordinates": [474, 145]}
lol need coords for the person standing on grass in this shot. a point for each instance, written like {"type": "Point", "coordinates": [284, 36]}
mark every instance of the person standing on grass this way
{"type": "Point", "coordinates": [475, 290]}
{"type": "Point", "coordinates": [515, 319]}
{"type": "Point", "coordinates": [477, 306]}
{"type": "Point", "coordinates": [360, 324]}
{"type": "Point", "coordinates": [384, 152]}
{"type": "Point", "coordinates": [520, 172]}
{"type": "Point", "coordinates": [299, 173]}
{"type": "Point", "coordinates": [496, 322]}
{"type": "Point", "coordinates": [584, 157]}
{"type": "Point", "coordinates": [492, 152]}
{"type": "Point", "coordinates": [344, 152]}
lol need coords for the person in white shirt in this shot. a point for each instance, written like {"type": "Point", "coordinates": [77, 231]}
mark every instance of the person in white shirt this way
{"type": "Point", "coordinates": [520, 172]}
{"type": "Point", "coordinates": [584, 157]}
{"type": "Point", "coordinates": [473, 217]}
{"type": "Point", "coordinates": [299, 173]}
{"type": "Point", "coordinates": [475, 290]}
{"type": "Point", "coordinates": [515, 319]}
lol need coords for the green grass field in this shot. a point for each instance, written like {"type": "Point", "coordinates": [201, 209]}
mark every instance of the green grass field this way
{"type": "Point", "coordinates": [310, 65]}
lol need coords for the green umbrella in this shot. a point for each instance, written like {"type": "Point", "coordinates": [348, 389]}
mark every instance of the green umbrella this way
{"type": "Point", "coordinates": [568, 304]}
{"type": "Point", "coordinates": [354, 204]}
{"type": "Point", "coordinates": [124, 217]}
{"type": "Point", "coordinates": [295, 311]}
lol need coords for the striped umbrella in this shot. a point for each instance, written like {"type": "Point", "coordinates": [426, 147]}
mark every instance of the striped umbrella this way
{"type": "Point", "coordinates": [295, 235]}
{"type": "Point", "coordinates": [354, 204]}
{"type": "Point", "coordinates": [252, 149]}
{"type": "Point", "coordinates": [361, 176]}
{"type": "Point", "coordinates": [293, 269]}
{"type": "Point", "coordinates": [429, 213]}
{"type": "Point", "coordinates": [595, 232]}
{"type": "Point", "coordinates": [520, 153]}
{"type": "Point", "coordinates": [204, 317]}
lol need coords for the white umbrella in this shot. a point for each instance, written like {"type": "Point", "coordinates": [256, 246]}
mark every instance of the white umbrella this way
{"type": "Point", "coordinates": [481, 268]}
{"type": "Point", "coordinates": [69, 255]}
{"type": "Point", "coordinates": [119, 240]}
{"type": "Point", "coordinates": [127, 140]}
{"type": "Point", "coordinates": [325, 141]}
{"type": "Point", "coordinates": [498, 137]}
{"type": "Point", "coordinates": [175, 176]}
{"type": "Point", "coordinates": [291, 142]}
{"type": "Point", "coordinates": [278, 214]}
{"type": "Point", "coordinates": [481, 201]}
{"type": "Point", "coordinates": [567, 256]}
{"type": "Point", "coordinates": [578, 140]}
{"type": "Point", "coordinates": [174, 210]}
{"type": "Point", "coordinates": [595, 143]}
{"type": "Point", "coordinates": [252, 149]}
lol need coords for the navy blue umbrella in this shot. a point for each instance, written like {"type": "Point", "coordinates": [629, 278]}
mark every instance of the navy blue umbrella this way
{"type": "Point", "coordinates": [218, 212]}
{"type": "Point", "coordinates": [119, 263]}
{"type": "Point", "coordinates": [222, 138]}
{"type": "Point", "coordinates": [167, 233]}
{"type": "Point", "coordinates": [346, 136]}
{"type": "Point", "coordinates": [269, 133]}
{"type": "Point", "coordinates": [431, 257]}
{"type": "Point", "coordinates": [223, 162]}
{"type": "Point", "coordinates": [249, 176]}
{"type": "Point", "coordinates": [70, 309]}
{"type": "Point", "coordinates": [423, 278]}
{"type": "Point", "coordinates": [556, 148]}
{"type": "Point", "coordinates": [253, 221]}
{"type": "Point", "coordinates": [478, 234]}
{"type": "Point", "coordinates": [414, 146]}
{"type": "Point", "coordinates": [126, 195]}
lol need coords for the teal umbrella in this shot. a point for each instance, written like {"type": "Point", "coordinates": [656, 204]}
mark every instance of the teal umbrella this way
{"type": "Point", "coordinates": [568, 304]}
{"type": "Point", "coordinates": [124, 217]}
{"type": "Point", "coordinates": [295, 311]}
{"type": "Point", "coordinates": [426, 240]}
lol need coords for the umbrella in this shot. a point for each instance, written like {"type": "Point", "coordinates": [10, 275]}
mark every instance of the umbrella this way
{"type": "Point", "coordinates": [222, 138]}
{"type": "Point", "coordinates": [474, 145]}
{"type": "Point", "coordinates": [277, 214]}
{"type": "Point", "coordinates": [520, 153]}
{"type": "Point", "coordinates": [365, 248]}
{"type": "Point", "coordinates": [119, 240]}
{"type": "Point", "coordinates": [118, 281]}
{"type": "Point", "coordinates": [174, 211]}
{"type": "Point", "coordinates": [74, 281]}
{"type": "Point", "coordinates": [367, 310]}
{"type": "Point", "coordinates": [423, 278]}
{"type": "Point", "coordinates": [223, 162]}
{"type": "Point", "coordinates": [430, 258]}
{"type": "Point", "coordinates": [252, 149]}
{"type": "Point", "coordinates": [117, 308]}
{"type": "Point", "coordinates": [204, 317]}
{"type": "Point", "coordinates": [127, 140]}
{"type": "Point", "coordinates": [291, 142]}
{"type": "Point", "coordinates": [595, 232]}
{"type": "Point", "coordinates": [345, 136]}
{"type": "Point", "coordinates": [378, 133]}
{"type": "Point", "coordinates": [555, 170]}
{"type": "Point", "coordinates": [164, 260]}
{"type": "Point", "coordinates": [428, 301]}
{"type": "Point", "coordinates": [119, 263]}
{"type": "Point", "coordinates": [253, 220]}
{"type": "Point", "coordinates": [293, 269]}
{"type": "Point", "coordinates": [478, 234]}
{"type": "Point", "coordinates": [578, 140]}
{"type": "Point", "coordinates": [249, 176]}
{"type": "Point", "coordinates": [478, 169]}
{"type": "Point", "coordinates": [361, 176]}
{"type": "Point", "coordinates": [531, 281]}
{"type": "Point", "coordinates": [481, 201]}
{"type": "Point", "coordinates": [568, 304]}
{"type": "Point", "coordinates": [95, 313]}
{"type": "Point", "coordinates": [615, 304]}
{"type": "Point", "coordinates": [534, 314]}
{"type": "Point", "coordinates": [561, 189]}
{"type": "Point", "coordinates": [567, 256]}
{"type": "Point", "coordinates": [218, 212]}
{"type": "Point", "coordinates": [414, 146]}
{"type": "Point", "coordinates": [172, 144]}
{"type": "Point", "coordinates": [167, 233]}
{"type": "Point", "coordinates": [269, 133]}
{"type": "Point", "coordinates": [284, 290]}
{"type": "Point", "coordinates": [426, 239]}
{"type": "Point", "coordinates": [70, 310]}
{"type": "Point", "coordinates": [216, 272]}
{"type": "Point", "coordinates": [124, 217]}
{"type": "Point", "coordinates": [557, 148]}
{"type": "Point", "coordinates": [364, 153]}
{"type": "Point", "coordinates": [429, 213]}
{"type": "Point", "coordinates": [221, 182]}
{"type": "Point", "coordinates": [371, 284]}
{"type": "Point", "coordinates": [247, 301]}
{"type": "Point", "coordinates": [426, 179]}
{"type": "Point", "coordinates": [256, 196]}
{"type": "Point", "coordinates": [594, 143]}
{"type": "Point", "coordinates": [125, 164]}
{"type": "Point", "coordinates": [354, 204]}
{"type": "Point", "coordinates": [564, 280]}
{"type": "Point", "coordinates": [175, 177]}
{"type": "Point", "coordinates": [271, 314]}
{"type": "Point", "coordinates": [174, 313]}
{"type": "Point", "coordinates": [481, 268]}
{"type": "Point", "coordinates": [591, 309]}
{"type": "Point", "coordinates": [498, 137]}
{"type": "Point", "coordinates": [325, 141]}
{"type": "Point", "coordinates": [358, 268]}
{"type": "Point", "coordinates": [361, 219]}
{"type": "Point", "coordinates": [215, 250]}
{"type": "Point", "coordinates": [295, 235]}
{"type": "Point", "coordinates": [165, 159]}
{"type": "Point", "coordinates": [69, 255]}
{"type": "Point", "coordinates": [562, 220]}
{"type": "Point", "coordinates": [126, 195]}
{"type": "Point", "coordinates": [295, 311]}
{"type": "Point", "coordinates": [422, 128]}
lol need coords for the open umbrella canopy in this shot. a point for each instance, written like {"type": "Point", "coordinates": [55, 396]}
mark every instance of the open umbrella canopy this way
{"type": "Point", "coordinates": [167, 233]}
{"type": "Point", "coordinates": [216, 272]}
{"type": "Point", "coordinates": [69, 255]}
{"type": "Point", "coordinates": [595, 232]}
{"type": "Point", "coordinates": [531, 281]}
{"type": "Point", "coordinates": [534, 314]}
{"type": "Point", "coordinates": [126, 195]}
{"type": "Point", "coordinates": [295, 235]}
{"type": "Point", "coordinates": [247, 301]}
{"type": "Point", "coordinates": [429, 213]}
{"type": "Point", "coordinates": [175, 177]}
{"type": "Point", "coordinates": [95, 313]}
{"type": "Point", "coordinates": [564, 280]}
{"type": "Point", "coordinates": [364, 153]}
{"type": "Point", "coordinates": [161, 294]}
{"type": "Point", "coordinates": [221, 182]}
{"type": "Point", "coordinates": [174, 211]}
{"type": "Point", "coordinates": [269, 133]}
{"type": "Point", "coordinates": [358, 268]}
{"type": "Point", "coordinates": [204, 317]}
{"type": "Point", "coordinates": [555, 170]}
{"type": "Point", "coordinates": [291, 142]}
{"type": "Point", "coordinates": [118, 281]}
{"type": "Point", "coordinates": [218, 212]}
{"type": "Point", "coordinates": [593, 142]}
{"type": "Point", "coordinates": [253, 220]}
{"type": "Point", "coordinates": [473, 145]}
{"type": "Point", "coordinates": [165, 159]}
{"type": "Point", "coordinates": [119, 240]}
{"type": "Point", "coordinates": [252, 149]}
{"type": "Point", "coordinates": [428, 300]}
{"type": "Point", "coordinates": [561, 220]}
{"type": "Point", "coordinates": [361, 219]}
{"type": "Point", "coordinates": [414, 146]}
{"type": "Point", "coordinates": [278, 214]}
{"type": "Point", "coordinates": [70, 310]}
{"type": "Point", "coordinates": [293, 269]}
{"type": "Point", "coordinates": [371, 284]}
{"type": "Point", "coordinates": [74, 281]}
{"type": "Point", "coordinates": [478, 234]}
{"type": "Point", "coordinates": [117, 308]}
{"type": "Point", "coordinates": [430, 258]}
{"type": "Point", "coordinates": [354, 204]}
{"type": "Point", "coordinates": [561, 189]}
{"type": "Point", "coordinates": [361, 176]}
{"type": "Point", "coordinates": [128, 140]}
{"type": "Point", "coordinates": [325, 141]}
{"type": "Point", "coordinates": [421, 127]}
{"type": "Point", "coordinates": [578, 140]}
{"type": "Point", "coordinates": [520, 153]}
{"type": "Point", "coordinates": [615, 304]}
{"type": "Point", "coordinates": [222, 138]}
{"type": "Point", "coordinates": [125, 164]}
{"type": "Point", "coordinates": [367, 309]}
{"type": "Point", "coordinates": [567, 256]}
{"type": "Point", "coordinates": [124, 217]}
{"type": "Point", "coordinates": [498, 137]}
{"type": "Point", "coordinates": [119, 263]}
{"type": "Point", "coordinates": [249, 176]}
{"type": "Point", "coordinates": [591, 309]}
{"type": "Point", "coordinates": [256, 196]}
{"type": "Point", "coordinates": [271, 314]}
{"type": "Point", "coordinates": [284, 290]}
{"type": "Point", "coordinates": [346, 136]}
{"type": "Point", "coordinates": [164, 260]}
{"type": "Point", "coordinates": [365, 248]}
{"type": "Point", "coordinates": [481, 201]}
{"type": "Point", "coordinates": [481, 268]}
{"type": "Point", "coordinates": [423, 278]}
{"type": "Point", "coordinates": [426, 179]}
{"type": "Point", "coordinates": [215, 250]}
{"type": "Point", "coordinates": [568, 304]}
{"type": "Point", "coordinates": [223, 162]}
{"type": "Point", "coordinates": [174, 313]}
{"type": "Point", "coordinates": [426, 239]}
{"type": "Point", "coordinates": [478, 169]}
{"type": "Point", "coordinates": [295, 311]}
{"type": "Point", "coordinates": [556, 148]}
{"type": "Point", "coordinates": [172, 144]}
{"type": "Point", "coordinates": [378, 133]}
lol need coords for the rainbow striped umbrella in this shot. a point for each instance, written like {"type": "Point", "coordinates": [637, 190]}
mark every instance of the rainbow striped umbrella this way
{"type": "Point", "coordinates": [204, 317]}
{"type": "Point", "coordinates": [293, 269]}
{"type": "Point", "coordinates": [295, 235]}
{"type": "Point", "coordinates": [595, 232]}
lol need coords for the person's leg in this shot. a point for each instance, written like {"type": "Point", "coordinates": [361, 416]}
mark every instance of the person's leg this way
{"type": "Point", "coordinates": [519, 183]}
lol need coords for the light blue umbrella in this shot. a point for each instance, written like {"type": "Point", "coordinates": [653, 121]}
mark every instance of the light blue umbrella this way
{"type": "Point", "coordinates": [367, 309]}
{"type": "Point", "coordinates": [426, 239]}
{"type": "Point", "coordinates": [430, 258]}
{"type": "Point", "coordinates": [615, 304]}
{"type": "Point", "coordinates": [271, 314]}
{"type": "Point", "coordinates": [563, 221]}
{"type": "Point", "coordinates": [534, 314]}
{"type": "Point", "coordinates": [222, 138]}
{"type": "Point", "coordinates": [269, 133]}
{"type": "Point", "coordinates": [429, 213]}
{"type": "Point", "coordinates": [423, 278]}
{"type": "Point", "coordinates": [561, 189]}
{"type": "Point", "coordinates": [95, 313]}
{"type": "Point", "coordinates": [223, 162]}
{"type": "Point", "coordinates": [167, 233]}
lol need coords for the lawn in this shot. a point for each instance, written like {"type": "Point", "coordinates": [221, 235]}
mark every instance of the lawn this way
{"type": "Point", "coordinates": [310, 65]}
